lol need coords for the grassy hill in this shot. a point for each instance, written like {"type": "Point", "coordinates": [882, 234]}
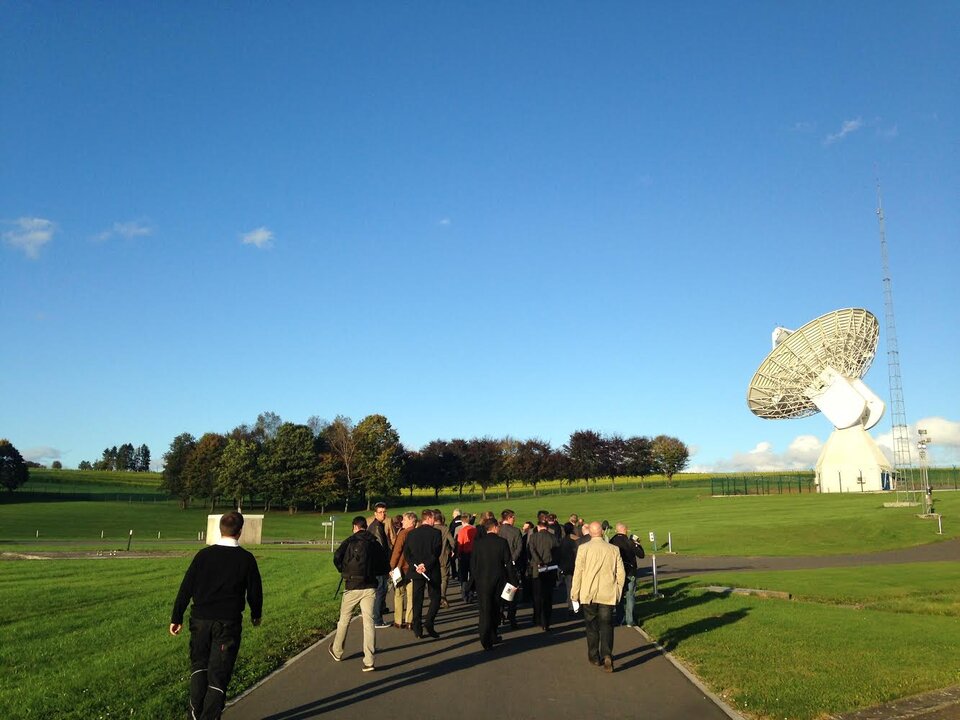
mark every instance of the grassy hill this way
{"type": "Point", "coordinates": [44, 480]}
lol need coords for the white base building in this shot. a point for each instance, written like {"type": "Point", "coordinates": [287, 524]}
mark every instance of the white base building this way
{"type": "Point", "coordinates": [852, 461]}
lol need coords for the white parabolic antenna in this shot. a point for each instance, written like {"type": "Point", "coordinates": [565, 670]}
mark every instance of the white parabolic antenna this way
{"type": "Point", "coordinates": [819, 368]}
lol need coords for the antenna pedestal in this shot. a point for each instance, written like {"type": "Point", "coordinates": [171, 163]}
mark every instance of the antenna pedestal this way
{"type": "Point", "coordinates": [851, 461]}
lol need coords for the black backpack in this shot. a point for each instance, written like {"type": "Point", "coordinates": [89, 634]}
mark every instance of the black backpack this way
{"type": "Point", "coordinates": [356, 560]}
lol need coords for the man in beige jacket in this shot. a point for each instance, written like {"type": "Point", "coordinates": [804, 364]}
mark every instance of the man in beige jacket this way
{"type": "Point", "coordinates": [598, 578]}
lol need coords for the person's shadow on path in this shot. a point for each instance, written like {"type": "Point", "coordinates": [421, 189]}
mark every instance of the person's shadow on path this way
{"type": "Point", "coordinates": [424, 671]}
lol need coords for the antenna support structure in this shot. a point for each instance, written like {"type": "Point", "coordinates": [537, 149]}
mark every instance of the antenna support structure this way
{"type": "Point", "coordinates": [904, 480]}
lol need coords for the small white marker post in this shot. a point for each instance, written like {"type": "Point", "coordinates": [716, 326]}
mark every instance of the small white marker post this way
{"type": "Point", "coordinates": [653, 541]}
{"type": "Point", "coordinates": [129, 540]}
{"type": "Point", "coordinates": [656, 591]}
{"type": "Point", "coordinates": [101, 534]}
{"type": "Point", "coordinates": [333, 531]}
{"type": "Point", "coordinates": [38, 534]}
{"type": "Point", "coordinates": [158, 534]}
{"type": "Point", "coordinates": [670, 542]}
{"type": "Point", "coordinates": [939, 524]}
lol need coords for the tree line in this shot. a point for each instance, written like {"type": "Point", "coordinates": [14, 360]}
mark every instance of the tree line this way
{"type": "Point", "coordinates": [286, 464]}
{"type": "Point", "coordinates": [126, 457]}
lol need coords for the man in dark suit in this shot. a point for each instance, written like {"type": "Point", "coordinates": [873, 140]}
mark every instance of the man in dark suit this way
{"type": "Point", "coordinates": [511, 533]}
{"type": "Point", "coordinates": [491, 567]}
{"type": "Point", "coordinates": [422, 550]}
{"type": "Point", "coordinates": [541, 547]}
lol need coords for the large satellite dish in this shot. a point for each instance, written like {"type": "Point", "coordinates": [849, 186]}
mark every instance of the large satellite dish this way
{"type": "Point", "coordinates": [819, 368]}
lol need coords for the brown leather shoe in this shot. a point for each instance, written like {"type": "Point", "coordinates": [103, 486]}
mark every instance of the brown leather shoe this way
{"type": "Point", "coordinates": [405, 626]}
{"type": "Point", "coordinates": [608, 664]}
{"type": "Point", "coordinates": [397, 625]}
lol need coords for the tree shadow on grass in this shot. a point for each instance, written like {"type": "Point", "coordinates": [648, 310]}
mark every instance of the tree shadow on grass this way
{"type": "Point", "coordinates": [679, 596]}
{"type": "Point", "coordinates": [672, 638]}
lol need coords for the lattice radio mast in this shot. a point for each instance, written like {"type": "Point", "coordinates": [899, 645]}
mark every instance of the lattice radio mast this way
{"type": "Point", "coordinates": [902, 460]}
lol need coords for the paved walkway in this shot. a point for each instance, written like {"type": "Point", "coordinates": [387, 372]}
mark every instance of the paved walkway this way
{"type": "Point", "coordinates": [532, 674]}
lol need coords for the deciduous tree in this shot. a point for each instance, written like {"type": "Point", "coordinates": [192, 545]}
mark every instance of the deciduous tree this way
{"type": "Point", "coordinates": [238, 470]}
{"type": "Point", "coordinates": [203, 467]}
{"type": "Point", "coordinates": [13, 470]}
{"type": "Point", "coordinates": [175, 461]}
{"type": "Point", "coordinates": [290, 463]}
{"type": "Point", "coordinates": [585, 449]}
{"type": "Point", "coordinates": [339, 437]}
{"type": "Point", "coordinates": [670, 456]}
{"type": "Point", "coordinates": [638, 460]}
{"type": "Point", "coordinates": [378, 456]}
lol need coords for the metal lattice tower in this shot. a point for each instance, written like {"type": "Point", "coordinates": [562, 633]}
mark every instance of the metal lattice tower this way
{"type": "Point", "coordinates": [902, 459]}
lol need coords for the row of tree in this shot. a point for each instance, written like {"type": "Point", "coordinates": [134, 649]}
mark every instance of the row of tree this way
{"type": "Point", "coordinates": [126, 457]}
{"type": "Point", "coordinates": [286, 464]}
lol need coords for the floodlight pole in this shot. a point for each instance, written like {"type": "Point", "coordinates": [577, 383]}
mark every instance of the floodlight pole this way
{"type": "Point", "coordinates": [924, 475]}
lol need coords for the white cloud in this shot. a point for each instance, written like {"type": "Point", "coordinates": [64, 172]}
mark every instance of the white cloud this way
{"type": "Point", "coordinates": [261, 238]}
{"type": "Point", "coordinates": [849, 126]}
{"type": "Point", "coordinates": [802, 454]}
{"type": "Point", "coordinates": [888, 133]}
{"type": "Point", "coordinates": [944, 445]}
{"type": "Point", "coordinates": [804, 126]}
{"type": "Point", "coordinates": [30, 235]}
{"type": "Point", "coordinates": [445, 221]}
{"type": "Point", "coordinates": [129, 230]}
{"type": "Point", "coordinates": [40, 454]}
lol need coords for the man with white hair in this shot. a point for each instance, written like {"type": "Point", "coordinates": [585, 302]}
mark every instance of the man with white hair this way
{"type": "Point", "coordinates": [597, 585]}
{"type": "Point", "coordinates": [631, 551]}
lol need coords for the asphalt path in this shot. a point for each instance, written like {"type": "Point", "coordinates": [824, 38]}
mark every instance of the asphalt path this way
{"type": "Point", "coordinates": [532, 674]}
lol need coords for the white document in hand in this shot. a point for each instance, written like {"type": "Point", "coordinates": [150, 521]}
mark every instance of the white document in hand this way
{"type": "Point", "coordinates": [396, 576]}
{"type": "Point", "coordinates": [508, 592]}
{"type": "Point", "coordinates": [576, 606]}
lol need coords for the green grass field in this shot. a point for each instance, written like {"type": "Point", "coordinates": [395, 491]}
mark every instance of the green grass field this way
{"type": "Point", "coordinates": [850, 638]}
{"type": "Point", "coordinates": [76, 625]}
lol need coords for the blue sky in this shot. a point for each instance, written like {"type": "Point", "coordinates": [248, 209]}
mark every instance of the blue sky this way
{"type": "Point", "coordinates": [491, 219]}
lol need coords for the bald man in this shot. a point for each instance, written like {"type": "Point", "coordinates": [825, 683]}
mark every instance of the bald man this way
{"type": "Point", "coordinates": [598, 579]}
{"type": "Point", "coordinates": [631, 552]}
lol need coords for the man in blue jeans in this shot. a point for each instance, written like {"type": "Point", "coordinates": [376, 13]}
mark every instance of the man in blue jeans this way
{"type": "Point", "coordinates": [631, 551]}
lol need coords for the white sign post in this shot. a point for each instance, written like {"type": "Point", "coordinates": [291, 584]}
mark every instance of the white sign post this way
{"type": "Point", "coordinates": [653, 541]}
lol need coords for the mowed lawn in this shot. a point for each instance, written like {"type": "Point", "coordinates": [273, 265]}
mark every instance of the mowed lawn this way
{"type": "Point", "coordinates": [88, 638]}
{"type": "Point", "coordinates": [850, 638]}
{"type": "Point", "coordinates": [699, 524]}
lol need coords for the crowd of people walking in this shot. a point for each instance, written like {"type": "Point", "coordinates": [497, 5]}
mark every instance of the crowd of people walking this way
{"type": "Point", "coordinates": [497, 566]}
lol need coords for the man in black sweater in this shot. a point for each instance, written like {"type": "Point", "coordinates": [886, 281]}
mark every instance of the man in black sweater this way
{"type": "Point", "coordinates": [220, 580]}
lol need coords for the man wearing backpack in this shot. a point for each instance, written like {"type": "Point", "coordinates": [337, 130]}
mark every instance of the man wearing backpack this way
{"type": "Point", "coordinates": [360, 559]}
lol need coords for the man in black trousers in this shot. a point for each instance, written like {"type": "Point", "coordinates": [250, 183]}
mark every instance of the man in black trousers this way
{"type": "Point", "coordinates": [491, 567]}
{"type": "Point", "coordinates": [221, 578]}
{"type": "Point", "coordinates": [422, 550]}
{"type": "Point", "coordinates": [542, 546]}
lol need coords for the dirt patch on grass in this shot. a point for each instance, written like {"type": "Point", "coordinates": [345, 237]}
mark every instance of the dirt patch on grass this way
{"type": "Point", "coordinates": [88, 555]}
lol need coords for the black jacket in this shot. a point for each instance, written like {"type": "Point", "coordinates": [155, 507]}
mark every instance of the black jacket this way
{"type": "Point", "coordinates": [424, 545]}
{"type": "Point", "coordinates": [491, 565]}
{"type": "Point", "coordinates": [377, 563]}
{"type": "Point", "coordinates": [630, 551]}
